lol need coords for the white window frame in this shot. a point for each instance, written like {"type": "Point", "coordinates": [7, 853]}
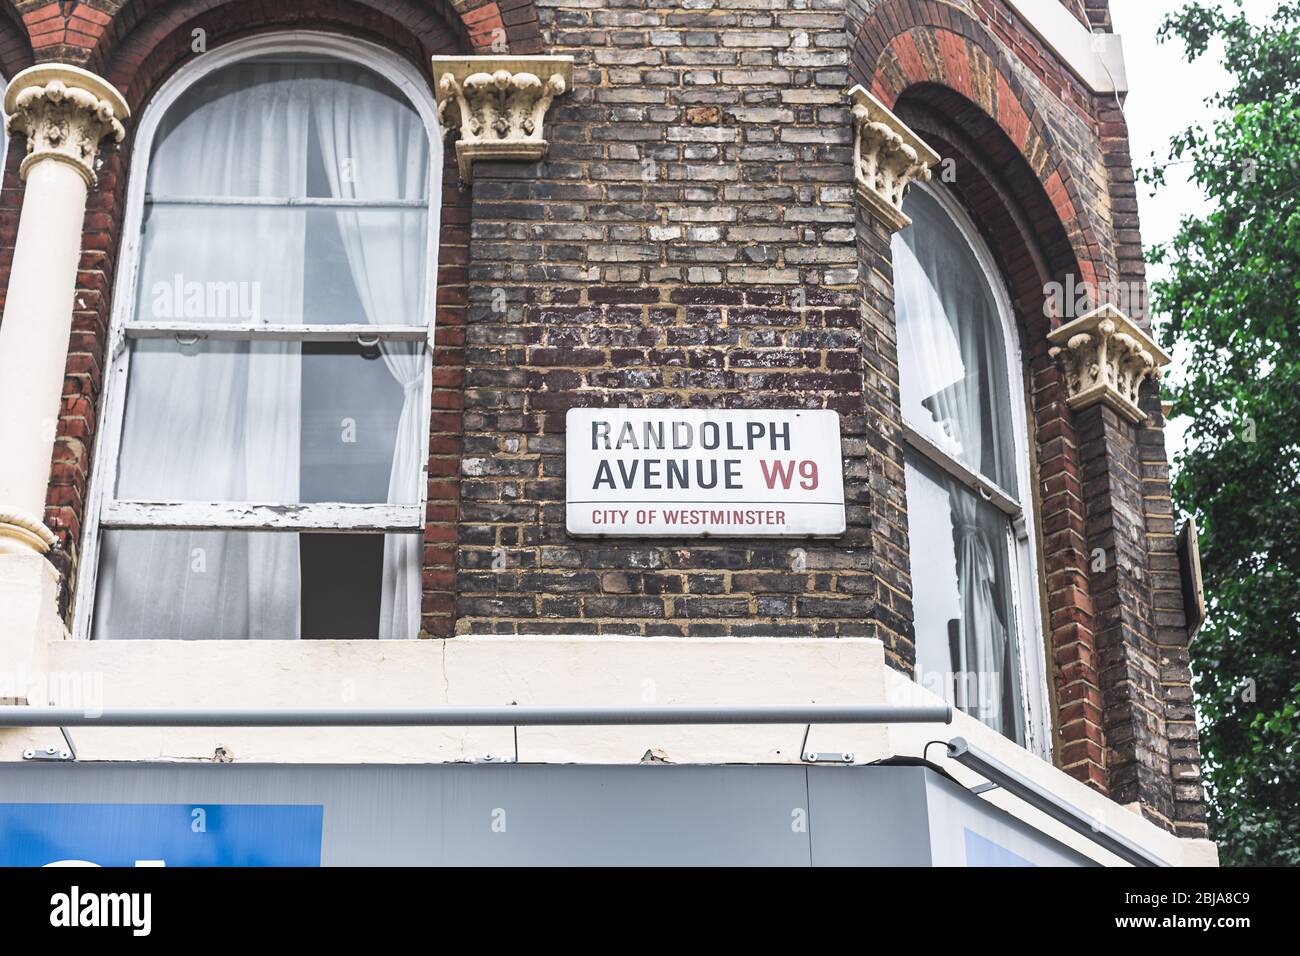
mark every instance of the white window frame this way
{"type": "Point", "coordinates": [1022, 538]}
{"type": "Point", "coordinates": [103, 511]}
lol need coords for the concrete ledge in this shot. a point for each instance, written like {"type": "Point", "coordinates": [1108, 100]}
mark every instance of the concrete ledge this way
{"type": "Point", "coordinates": [466, 670]}
{"type": "Point", "coordinates": [573, 671]}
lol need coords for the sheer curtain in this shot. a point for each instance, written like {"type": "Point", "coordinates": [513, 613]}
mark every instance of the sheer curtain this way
{"type": "Point", "coordinates": [951, 347]}
{"type": "Point", "coordinates": [243, 134]}
{"type": "Point", "coordinates": [955, 392]}
{"type": "Point", "coordinates": [256, 130]}
{"type": "Point", "coordinates": [375, 147]}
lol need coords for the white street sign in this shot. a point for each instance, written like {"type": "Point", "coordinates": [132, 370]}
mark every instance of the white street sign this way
{"type": "Point", "coordinates": [636, 472]}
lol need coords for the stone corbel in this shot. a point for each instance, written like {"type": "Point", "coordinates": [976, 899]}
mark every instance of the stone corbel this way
{"type": "Point", "coordinates": [1106, 358]}
{"type": "Point", "coordinates": [887, 157]}
{"type": "Point", "coordinates": [498, 104]}
{"type": "Point", "coordinates": [64, 111]}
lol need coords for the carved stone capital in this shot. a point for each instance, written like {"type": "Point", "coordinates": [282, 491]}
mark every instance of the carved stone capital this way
{"type": "Point", "coordinates": [887, 156]}
{"type": "Point", "coordinates": [24, 530]}
{"type": "Point", "coordinates": [1106, 357]}
{"type": "Point", "coordinates": [498, 104]}
{"type": "Point", "coordinates": [64, 111]}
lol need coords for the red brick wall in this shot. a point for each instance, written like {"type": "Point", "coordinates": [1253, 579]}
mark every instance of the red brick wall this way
{"type": "Point", "coordinates": [446, 424]}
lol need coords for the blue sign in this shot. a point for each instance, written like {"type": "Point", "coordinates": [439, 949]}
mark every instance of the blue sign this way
{"type": "Point", "coordinates": [981, 851]}
{"type": "Point", "coordinates": [160, 834]}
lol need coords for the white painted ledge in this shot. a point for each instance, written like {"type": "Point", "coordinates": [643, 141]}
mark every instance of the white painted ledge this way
{"type": "Point", "coordinates": [1095, 58]}
{"type": "Point", "coordinates": [537, 670]}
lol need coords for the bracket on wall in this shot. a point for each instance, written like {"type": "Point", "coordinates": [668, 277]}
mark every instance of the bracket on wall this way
{"type": "Point", "coordinates": [808, 756]}
{"type": "Point", "coordinates": [54, 753]}
{"type": "Point", "coordinates": [498, 104]}
{"type": "Point", "coordinates": [887, 156]}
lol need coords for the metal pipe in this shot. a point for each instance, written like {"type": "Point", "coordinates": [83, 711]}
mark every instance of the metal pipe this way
{"type": "Point", "coordinates": [493, 716]}
{"type": "Point", "coordinates": [1027, 790]}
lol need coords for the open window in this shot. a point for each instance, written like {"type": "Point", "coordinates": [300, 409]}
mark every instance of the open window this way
{"type": "Point", "coordinates": [263, 469]}
{"type": "Point", "coordinates": [969, 492]}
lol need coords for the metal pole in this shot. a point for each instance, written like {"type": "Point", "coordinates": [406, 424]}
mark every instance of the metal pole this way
{"type": "Point", "coordinates": [493, 716]}
{"type": "Point", "coordinates": [1060, 810]}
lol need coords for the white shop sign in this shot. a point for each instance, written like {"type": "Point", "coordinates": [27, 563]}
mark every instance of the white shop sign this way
{"type": "Point", "coordinates": [686, 472]}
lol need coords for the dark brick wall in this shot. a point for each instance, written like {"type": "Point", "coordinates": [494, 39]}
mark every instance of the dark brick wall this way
{"type": "Point", "coordinates": [690, 242]}
{"type": "Point", "coordinates": [1136, 738]}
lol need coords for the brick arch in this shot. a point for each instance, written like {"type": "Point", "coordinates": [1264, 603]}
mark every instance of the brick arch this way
{"type": "Point", "coordinates": [155, 46]}
{"type": "Point", "coordinates": [998, 184]}
{"type": "Point", "coordinates": [89, 33]}
{"type": "Point", "coordinates": [945, 75]}
{"type": "Point", "coordinates": [518, 18]}
{"type": "Point", "coordinates": [15, 45]}
{"type": "Point", "coordinates": [943, 47]}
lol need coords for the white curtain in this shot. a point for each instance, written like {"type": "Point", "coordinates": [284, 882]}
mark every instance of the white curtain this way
{"type": "Point", "coordinates": [245, 137]}
{"type": "Point", "coordinates": [952, 354]}
{"type": "Point", "coordinates": [374, 147]}
{"type": "Point", "coordinates": [256, 131]}
{"type": "Point", "coordinates": [955, 391]}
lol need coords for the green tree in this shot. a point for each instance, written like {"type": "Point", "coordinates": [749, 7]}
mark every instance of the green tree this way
{"type": "Point", "coordinates": [1232, 301]}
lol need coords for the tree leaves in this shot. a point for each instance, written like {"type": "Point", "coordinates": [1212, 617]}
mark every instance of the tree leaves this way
{"type": "Point", "coordinates": [1232, 297]}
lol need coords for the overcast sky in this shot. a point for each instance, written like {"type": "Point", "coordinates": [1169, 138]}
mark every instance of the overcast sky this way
{"type": "Point", "coordinates": [1166, 95]}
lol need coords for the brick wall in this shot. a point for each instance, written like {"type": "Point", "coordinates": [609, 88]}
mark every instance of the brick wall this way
{"type": "Point", "coordinates": [691, 240]}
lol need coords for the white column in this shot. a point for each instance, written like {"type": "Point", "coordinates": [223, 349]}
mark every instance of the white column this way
{"type": "Point", "coordinates": [64, 112]}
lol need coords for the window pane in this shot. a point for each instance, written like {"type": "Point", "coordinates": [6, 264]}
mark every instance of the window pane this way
{"type": "Point", "coordinates": [276, 130]}
{"type": "Point", "coordinates": [291, 126]}
{"type": "Point", "coordinates": [234, 585]}
{"type": "Point", "coordinates": [283, 265]}
{"type": "Point", "coordinates": [966, 647]}
{"type": "Point", "coordinates": [272, 422]}
{"type": "Point", "coordinates": [952, 353]}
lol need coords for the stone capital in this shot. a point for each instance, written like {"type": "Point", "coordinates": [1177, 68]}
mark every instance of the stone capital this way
{"type": "Point", "coordinates": [1106, 358]}
{"type": "Point", "coordinates": [64, 111]}
{"type": "Point", "coordinates": [887, 156]}
{"type": "Point", "coordinates": [498, 104]}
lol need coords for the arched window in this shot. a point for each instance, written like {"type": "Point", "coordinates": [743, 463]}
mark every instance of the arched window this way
{"type": "Point", "coordinates": [263, 468]}
{"type": "Point", "coordinates": [968, 485]}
